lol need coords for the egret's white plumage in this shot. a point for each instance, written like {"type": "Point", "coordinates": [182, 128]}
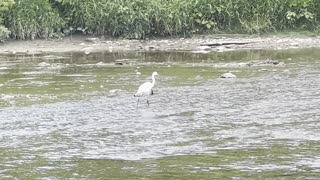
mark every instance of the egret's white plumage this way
{"type": "Point", "coordinates": [145, 89]}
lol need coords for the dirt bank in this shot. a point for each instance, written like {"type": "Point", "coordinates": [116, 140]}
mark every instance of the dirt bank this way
{"type": "Point", "coordinates": [198, 43]}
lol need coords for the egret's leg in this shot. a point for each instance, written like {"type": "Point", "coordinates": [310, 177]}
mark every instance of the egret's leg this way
{"type": "Point", "coordinates": [148, 101]}
{"type": "Point", "coordinates": [137, 102]}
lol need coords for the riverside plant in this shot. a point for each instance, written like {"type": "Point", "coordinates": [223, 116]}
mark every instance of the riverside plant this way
{"type": "Point", "coordinates": [4, 7]}
{"type": "Point", "coordinates": [137, 19]}
{"type": "Point", "coordinates": [29, 19]}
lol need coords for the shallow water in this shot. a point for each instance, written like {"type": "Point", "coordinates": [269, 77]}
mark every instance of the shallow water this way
{"type": "Point", "coordinates": [73, 116]}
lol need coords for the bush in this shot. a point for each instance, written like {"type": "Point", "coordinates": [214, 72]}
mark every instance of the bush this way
{"type": "Point", "coordinates": [130, 19]}
{"type": "Point", "coordinates": [4, 6]}
{"type": "Point", "coordinates": [4, 33]}
{"type": "Point", "coordinates": [139, 18]}
{"type": "Point", "coordinates": [29, 19]}
{"type": "Point", "coordinates": [302, 13]}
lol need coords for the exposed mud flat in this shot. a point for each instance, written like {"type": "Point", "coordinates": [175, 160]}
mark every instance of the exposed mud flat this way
{"type": "Point", "coordinates": [199, 44]}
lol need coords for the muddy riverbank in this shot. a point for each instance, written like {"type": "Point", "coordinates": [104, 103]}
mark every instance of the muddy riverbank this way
{"type": "Point", "coordinates": [203, 44]}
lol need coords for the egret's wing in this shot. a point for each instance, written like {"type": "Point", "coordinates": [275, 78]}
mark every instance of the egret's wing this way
{"type": "Point", "coordinates": [144, 88]}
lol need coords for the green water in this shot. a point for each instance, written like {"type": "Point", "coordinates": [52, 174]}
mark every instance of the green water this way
{"type": "Point", "coordinates": [73, 116]}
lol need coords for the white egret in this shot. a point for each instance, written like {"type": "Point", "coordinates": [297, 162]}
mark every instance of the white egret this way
{"type": "Point", "coordinates": [145, 89]}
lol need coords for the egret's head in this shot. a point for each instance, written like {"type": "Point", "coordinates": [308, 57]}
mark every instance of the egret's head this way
{"type": "Point", "coordinates": [155, 74]}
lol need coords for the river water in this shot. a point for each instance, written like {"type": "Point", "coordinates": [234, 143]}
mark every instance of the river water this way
{"type": "Point", "coordinates": [73, 116]}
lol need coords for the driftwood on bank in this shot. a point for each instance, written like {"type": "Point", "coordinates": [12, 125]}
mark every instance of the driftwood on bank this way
{"type": "Point", "coordinates": [225, 44]}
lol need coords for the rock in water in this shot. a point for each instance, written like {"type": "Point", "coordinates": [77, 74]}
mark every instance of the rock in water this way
{"type": "Point", "coordinates": [228, 75]}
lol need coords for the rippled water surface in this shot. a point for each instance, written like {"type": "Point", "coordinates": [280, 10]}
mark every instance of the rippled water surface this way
{"type": "Point", "coordinates": [73, 116]}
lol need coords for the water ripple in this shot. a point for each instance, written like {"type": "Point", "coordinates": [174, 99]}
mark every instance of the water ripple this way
{"type": "Point", "coordinates": [240, 113]}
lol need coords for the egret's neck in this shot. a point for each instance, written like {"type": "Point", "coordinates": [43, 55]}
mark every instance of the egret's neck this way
{"type": "Point", "coordinates": [153, 80]}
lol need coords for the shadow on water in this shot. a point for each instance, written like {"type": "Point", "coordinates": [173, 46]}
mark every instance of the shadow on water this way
{"type": "Point", "coordinates": [74, 115]}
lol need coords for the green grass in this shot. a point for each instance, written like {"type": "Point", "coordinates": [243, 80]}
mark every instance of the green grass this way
{"type": "Point", "coordinates": [29, 19]}
{"type": "Point", "coordinates": [4, 6]}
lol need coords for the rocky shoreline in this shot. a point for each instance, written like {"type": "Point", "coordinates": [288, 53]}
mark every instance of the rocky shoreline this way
{"type": "Point", "coordinates": [199, 44]}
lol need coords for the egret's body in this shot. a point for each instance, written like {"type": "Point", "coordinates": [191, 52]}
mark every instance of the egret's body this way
{"type": "Point", "coordinates": [145, 89]}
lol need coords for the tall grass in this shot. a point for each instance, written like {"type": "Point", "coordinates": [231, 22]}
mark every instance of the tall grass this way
{"type": "Point", "coordinates": [141, 18]}
{"type": "Point", "coordinates": [4, 6]}
{"type": "Point", "coordinates": [131, 19]}
{"type": "Point", "coordinates": [137, 18]}
{"type": "Point", "coordinates": [29, 19]}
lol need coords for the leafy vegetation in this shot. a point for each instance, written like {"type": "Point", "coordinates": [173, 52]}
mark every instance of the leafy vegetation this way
{"type": "Point", "coordinates": [28, 19]}
{"type": "Point", "coordinates": [4, 6]}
